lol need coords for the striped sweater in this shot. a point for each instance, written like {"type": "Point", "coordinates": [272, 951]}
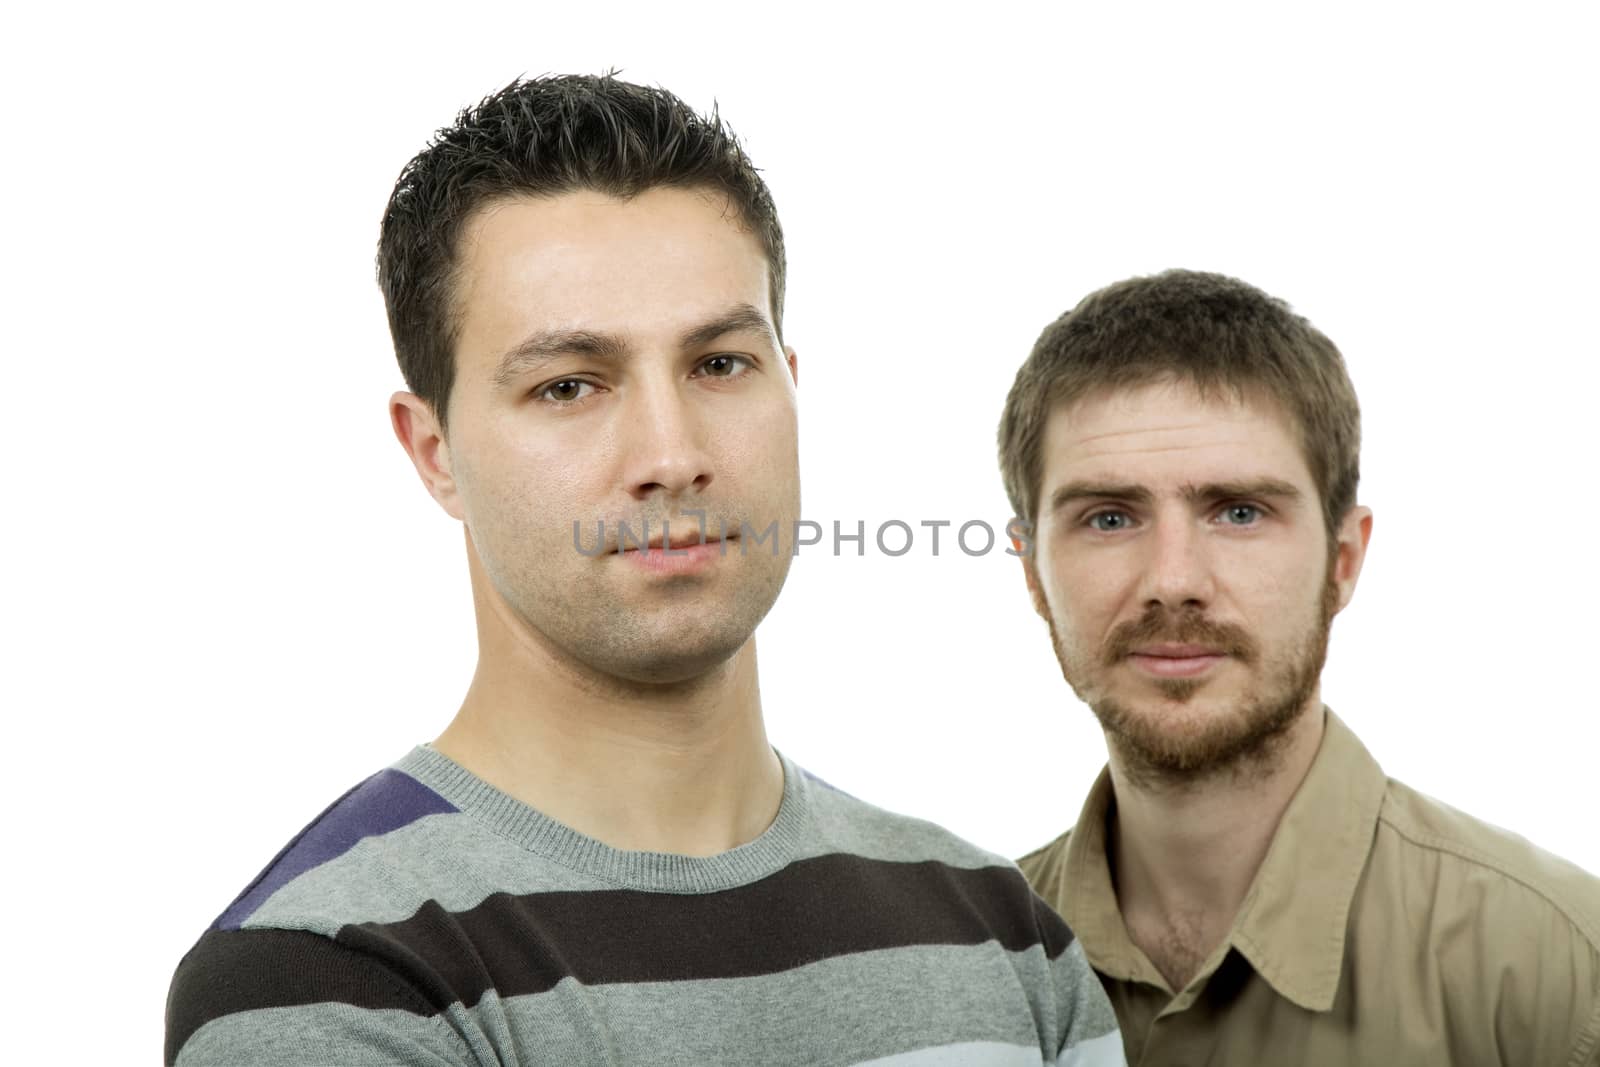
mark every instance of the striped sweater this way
{"type": "Point", "coordinates": [428, 918]}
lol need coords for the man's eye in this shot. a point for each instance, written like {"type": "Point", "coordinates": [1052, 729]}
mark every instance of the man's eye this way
{"type": "Point", "coordinates": [1241, 514]}
{"type": "Point", "coordinates": [565, 391]}
{"type": "Point", "coordinates": [1109, 521]}
{"type": "Point", "coordinates": [724, 366]}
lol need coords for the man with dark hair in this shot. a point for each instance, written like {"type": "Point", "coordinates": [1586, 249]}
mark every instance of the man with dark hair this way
{"type": "Point", "coordinates": [601, 860]}
{"type": "Point", "coordinates": [1248, 884]}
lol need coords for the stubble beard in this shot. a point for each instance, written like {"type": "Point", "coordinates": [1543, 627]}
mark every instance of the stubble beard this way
{"type": "Point", "coordinates": [687, 629]}
{"type": "Point", "coordinates": [636, 647]}
{"type": "Point", "coordinates": [1167, 749]}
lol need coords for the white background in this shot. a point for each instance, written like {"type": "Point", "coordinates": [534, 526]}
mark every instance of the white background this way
{"type": "Point", "coordinates": [227, 598]}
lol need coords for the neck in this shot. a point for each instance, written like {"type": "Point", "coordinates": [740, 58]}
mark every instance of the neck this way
{"type": "Point", "coordinates": [1183, 856]}
{"type": "Point", "coordinates": [681, 768]}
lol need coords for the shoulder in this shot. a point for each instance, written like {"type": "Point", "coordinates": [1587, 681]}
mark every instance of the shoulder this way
{"type": "Point", "coordinates": [1470, 854]}
{"type": "Point", "coordinates": [1512, 930]}
{"type": "Point", "coordinates": [315, 948]}
{"type": "Point", "coordinates": [932, 870]}
{"type": "Point", "coordinates": [1045, 867]}
{"type": "Point", "coordinates": [845, 823]}
{"type": "Point", "coordinates": [384, 849]}
{"type": "Point", "coordinates": [272, 954]}
{"type": "Point", "coordinates": [340, 867]}
{"type": "Point", "coordinates": [1045, 854]}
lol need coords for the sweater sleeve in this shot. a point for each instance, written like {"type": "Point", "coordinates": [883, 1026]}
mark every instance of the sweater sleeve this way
{"type": "Point", "coordinates": [1090, 1036]}
{"type": "Point", "coordinates": [265, 997]}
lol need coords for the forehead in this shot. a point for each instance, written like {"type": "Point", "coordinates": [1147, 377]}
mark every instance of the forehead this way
{"type": "Point", "coordinates": [1171, 433]}
{"type": "Point", "coordinates": [583, 259]}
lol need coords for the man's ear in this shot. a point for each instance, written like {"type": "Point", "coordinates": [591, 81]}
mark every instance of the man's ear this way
{"type": "Point", "coordinates": [419, 433]}
{"type": "Point", "coordinates": [793, 359]}
{"type": "Point", "coordinates": [1351, 552]}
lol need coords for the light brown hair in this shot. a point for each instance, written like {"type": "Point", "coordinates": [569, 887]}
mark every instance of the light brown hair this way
{"type": "Point", "coordinates": [1209, 331]}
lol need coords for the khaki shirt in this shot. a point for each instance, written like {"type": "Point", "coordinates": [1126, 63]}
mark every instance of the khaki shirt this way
{"type": "Point", "coordinates": [1383, 929]}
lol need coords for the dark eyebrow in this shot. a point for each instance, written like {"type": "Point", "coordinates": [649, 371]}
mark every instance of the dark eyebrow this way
{"type": "Point", "coordinates": [1210, 493]}
{"type": "Point", "coordinates": [1251, 489]}
{"type": "Point", "coordinates": [740, 318]}
{"type": "Point", "coordinates": [1072, 491]}
{"type": "Point", "coordinates": [546, 345]}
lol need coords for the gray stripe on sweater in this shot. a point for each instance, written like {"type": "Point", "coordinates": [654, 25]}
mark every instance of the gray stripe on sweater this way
{"type": "Point", "coordinates": [333, 1035]}
{"type": "Point", "coordinates": [387, 878]}
{"type": "Point", "coordinates": [926, 1001]}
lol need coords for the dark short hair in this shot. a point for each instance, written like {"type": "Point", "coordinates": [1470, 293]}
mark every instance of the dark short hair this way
{"type": "Point", "coordinates": [542, 137]}
{"type": "Point", "coordinates": [1209, 331]}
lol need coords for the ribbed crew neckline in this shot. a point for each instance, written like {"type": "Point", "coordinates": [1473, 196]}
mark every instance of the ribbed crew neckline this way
{"type": "Point", "coordinates": [659, 872]}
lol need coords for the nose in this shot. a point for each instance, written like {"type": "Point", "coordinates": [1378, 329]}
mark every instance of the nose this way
{"type": "Point", "coordinates": [1178, 573]}
{"type": "Point", "coordinates": [665, 443]}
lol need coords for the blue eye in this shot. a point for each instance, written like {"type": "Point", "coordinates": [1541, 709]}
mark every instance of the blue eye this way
{"type": "Point", "coordinates": [1109, 521]}
{"type": "Point", "coordinates": [1241, 514]}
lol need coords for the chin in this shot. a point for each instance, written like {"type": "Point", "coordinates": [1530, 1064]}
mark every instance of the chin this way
{"type": "Point", "coordinates": [674, 649]}
{"type": "Point", "coordinates": [676, 665]}
{"type": "Point", "coordinates": [1174, 718]}
{"type": "Point", "coordinates": [1177, 742]}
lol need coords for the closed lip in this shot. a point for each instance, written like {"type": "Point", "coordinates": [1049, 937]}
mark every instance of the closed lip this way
{"type": "Point", "coordinates": [681, 542]}
{"type": "Point", "coordinates": [1176, 651]}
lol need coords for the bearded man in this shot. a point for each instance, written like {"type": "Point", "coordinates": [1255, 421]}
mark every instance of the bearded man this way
{"type": "Point", "coordinates": [1247, 883]}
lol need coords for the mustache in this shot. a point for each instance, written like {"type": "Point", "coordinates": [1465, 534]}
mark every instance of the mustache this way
{"type": "Point", "coordinates": [1161, 625]}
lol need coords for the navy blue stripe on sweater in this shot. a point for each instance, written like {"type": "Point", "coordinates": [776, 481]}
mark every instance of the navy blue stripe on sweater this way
{"type": "Point", "coordinates": [382, 804]}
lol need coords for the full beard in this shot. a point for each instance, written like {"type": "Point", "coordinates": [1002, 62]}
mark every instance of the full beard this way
{"type": "Point", "coordinates": [1172, 749]}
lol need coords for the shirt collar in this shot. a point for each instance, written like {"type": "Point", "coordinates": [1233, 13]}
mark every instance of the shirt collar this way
{"type": "Point", "coordinates": [1291, 926]}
